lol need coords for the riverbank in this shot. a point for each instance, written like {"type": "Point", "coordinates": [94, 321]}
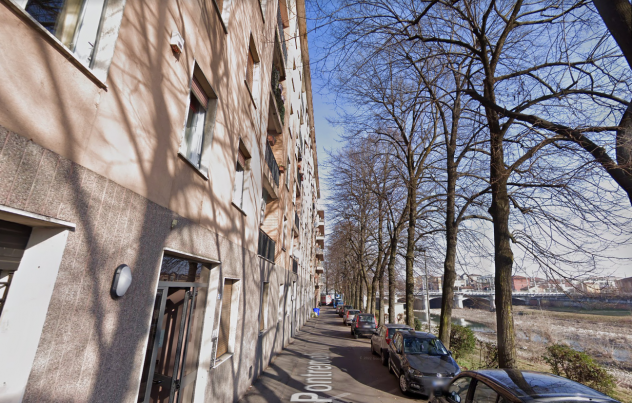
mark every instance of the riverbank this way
{"type": "Point", "coordinates": [608, 339]}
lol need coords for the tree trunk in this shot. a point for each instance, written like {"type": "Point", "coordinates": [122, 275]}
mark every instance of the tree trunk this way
{"type": "Point", "coordinates": [392, 318]}
{"type": "Point", "coordinates": [449, 276]}
{"type": "Point", "coordinates": [617, 15]}
{"type": "Point", "coordinates": [410, 255]}
{"type": "Point", "coordinates": [503, 255]}
{"type": "Point", "coordinates": [451, 232]}
{"type": "Point", "coordinates": [367, 285]}
{"type": "Point", "coordinates": [380, 311]}
{"type": "Point", "coordinates": [372, 298]}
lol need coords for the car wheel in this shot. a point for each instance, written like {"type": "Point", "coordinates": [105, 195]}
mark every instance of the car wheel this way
{"type": "Point", "coordinates": [403, 384]}
{"type": "Point", "coordinates": [390, 367]}
{"type": "Point", "coordinates": [384, 355]}
{"type": "Point", "coordinates": [355, 335]}
{"type": "Point", "coordinates": [372, 349]}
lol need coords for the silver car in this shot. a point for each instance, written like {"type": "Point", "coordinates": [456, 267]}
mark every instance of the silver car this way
{"type": "Point", "coordinates": [349, 316]}
{"type": "Point", "coordinates": [381, 340]}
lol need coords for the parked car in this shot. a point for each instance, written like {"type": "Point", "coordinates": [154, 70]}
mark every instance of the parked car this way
{"type": "Point", "coordinates": [344, 310]}
{"type": "Point", "coordinates": [349, 316]}
{"type": "Point", "coordinates": [364, 324]}
{"type": "Point", "coordinates": [514, 385]}
{"type": "Point", "coordinates": [381, 340]}
{"type": "Point", "coordinates": [421, 362]}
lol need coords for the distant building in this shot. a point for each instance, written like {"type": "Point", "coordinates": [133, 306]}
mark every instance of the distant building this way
{"type": "Point", "coordinates": [519, 283]}
{"type": "Point", "coordinates": [625, 285]}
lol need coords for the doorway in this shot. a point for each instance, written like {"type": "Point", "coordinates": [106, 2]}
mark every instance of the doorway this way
{"type": "Point", "coordinates": [171, 359]}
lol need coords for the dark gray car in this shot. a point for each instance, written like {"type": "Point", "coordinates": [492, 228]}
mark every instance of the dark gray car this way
{"type": "Point", "coordinates": [381, 340]}
{"type": "Point", "coordinates": [514, 386]}
{"type": "Point", "coordinates": [420, 361]}
{"type": "Point", "coordinates": [364, 324]}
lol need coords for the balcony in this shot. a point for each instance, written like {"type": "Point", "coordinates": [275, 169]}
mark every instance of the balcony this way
{"type": "Point", "coordinates": [294, 266]}
{"type": "Point", "coordinates": [272, 164]}
{"type": "Point", "coordinates": [320, 239]}
{"type": "Point", "coordinates": [266, 246]}
{"type": "Point", "coordinates": [319, 252]}
{"type": "Point", "coordinates": [320, 269]}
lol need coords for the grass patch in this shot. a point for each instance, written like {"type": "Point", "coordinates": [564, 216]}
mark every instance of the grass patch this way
{"type": "Point", "coordinates": [619, 317]}
{"type": "Point", "coordinates": [600, 312]}
{"type": "Point", "coordinates": [473, 360]}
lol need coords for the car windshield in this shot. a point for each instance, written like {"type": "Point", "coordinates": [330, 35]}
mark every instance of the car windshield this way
{"type": "Point", "coordinates": [352, 312]}
{"type": "Point", "coordinates": [366, 318]}
{"type": "Point", "coordinates": [347, 307]}
{"type": "Point", "coordinates": [418, 345]}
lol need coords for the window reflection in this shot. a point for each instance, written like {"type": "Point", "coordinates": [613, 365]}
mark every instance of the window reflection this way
{"type": "Point", "coordinates": [177, 269]}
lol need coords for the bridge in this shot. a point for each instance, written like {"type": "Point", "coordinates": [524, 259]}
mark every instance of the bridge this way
{"type": "Point", "coordinates": [517, 297]}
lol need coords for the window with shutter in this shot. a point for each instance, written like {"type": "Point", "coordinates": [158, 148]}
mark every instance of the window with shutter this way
{"type": "Point", "coordinates": [250, 69]}
{"type": "Point", "coordinates": [199, 122]}
{"type": "Point", "coordinates": [224, 319]}
{"type": "Point", "coordinates": [238, 188]}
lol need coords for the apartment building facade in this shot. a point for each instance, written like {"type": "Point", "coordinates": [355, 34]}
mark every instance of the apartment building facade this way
{"type": "Point", "coordinates": [158, 190]}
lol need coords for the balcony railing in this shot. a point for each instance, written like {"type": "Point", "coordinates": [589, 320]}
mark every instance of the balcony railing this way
{"type": "Point", "coordinates": [281, 33]}
{"type": "Point", "coordinates": [266, 246]}
{"type": "Point", "coordinates": [272, 164]}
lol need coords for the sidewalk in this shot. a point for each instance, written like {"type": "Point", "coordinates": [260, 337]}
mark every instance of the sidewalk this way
{"type": "Point", "coordinates": [325, 364]}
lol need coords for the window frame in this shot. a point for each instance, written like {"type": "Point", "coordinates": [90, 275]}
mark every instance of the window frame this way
{"type": "Point", "coordinates": [242, 152]}
{"type": "Point", "coordinates": [234, 315]}
{"type": "Point", "coordinates": [106, 36]}
{"type": "Point", "coordinates": [254, 86]}
{"type": "Point", "coordinates": [208, 129]}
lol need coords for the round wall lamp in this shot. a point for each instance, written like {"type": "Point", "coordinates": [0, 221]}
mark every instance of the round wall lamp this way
{"type": "Point", "coordinates": [122, 280]}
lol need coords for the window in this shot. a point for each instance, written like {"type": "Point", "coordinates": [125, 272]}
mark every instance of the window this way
{"type": "Point", "coordinates": [200, 120]}
{"type": "Point", "coordinates": [281, 295]}
{"type": "Point", "coordinates": [225, 316]}
{"type": "Point", "coordinates": [287, 173]}
{"type": "Point", "coordinates": [264, 203]}
{"type": "Point", "coordinates": [484, 394]}
{"type": "Point", "coordinates": [81, 27]}
{"type": "Point", "coordinates": [263, 314]}
{"type": "Point", "coordinates": [13, 240]}
{"type": "Point", "coordinates": [252, 70]}
{"type": "Point", "coordinates": [284, 235]}
{"type": "Point", "coordinates": [238, 188]}
{"type": "Point", "coordinates": [458, 390]}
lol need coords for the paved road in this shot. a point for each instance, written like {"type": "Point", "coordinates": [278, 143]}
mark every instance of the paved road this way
{"type": "Point", "coordinates": [322, 356]}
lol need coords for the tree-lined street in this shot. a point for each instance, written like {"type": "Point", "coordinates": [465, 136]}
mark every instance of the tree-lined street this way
{"type": "Point", "coordinates": [356, 374]}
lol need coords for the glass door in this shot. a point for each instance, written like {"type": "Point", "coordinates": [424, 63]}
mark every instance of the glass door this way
{"type": "Point", "coordinates": [170, 328]}
{"type": "Point", "coordinates": [171, 359]}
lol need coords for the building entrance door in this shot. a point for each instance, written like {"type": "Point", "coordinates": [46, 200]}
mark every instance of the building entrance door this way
{"type": "Point", "coordinates": [170, 367]}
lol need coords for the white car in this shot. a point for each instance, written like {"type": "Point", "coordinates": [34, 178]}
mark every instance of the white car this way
{"type": "Point", "coordinates": [349, 316]}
